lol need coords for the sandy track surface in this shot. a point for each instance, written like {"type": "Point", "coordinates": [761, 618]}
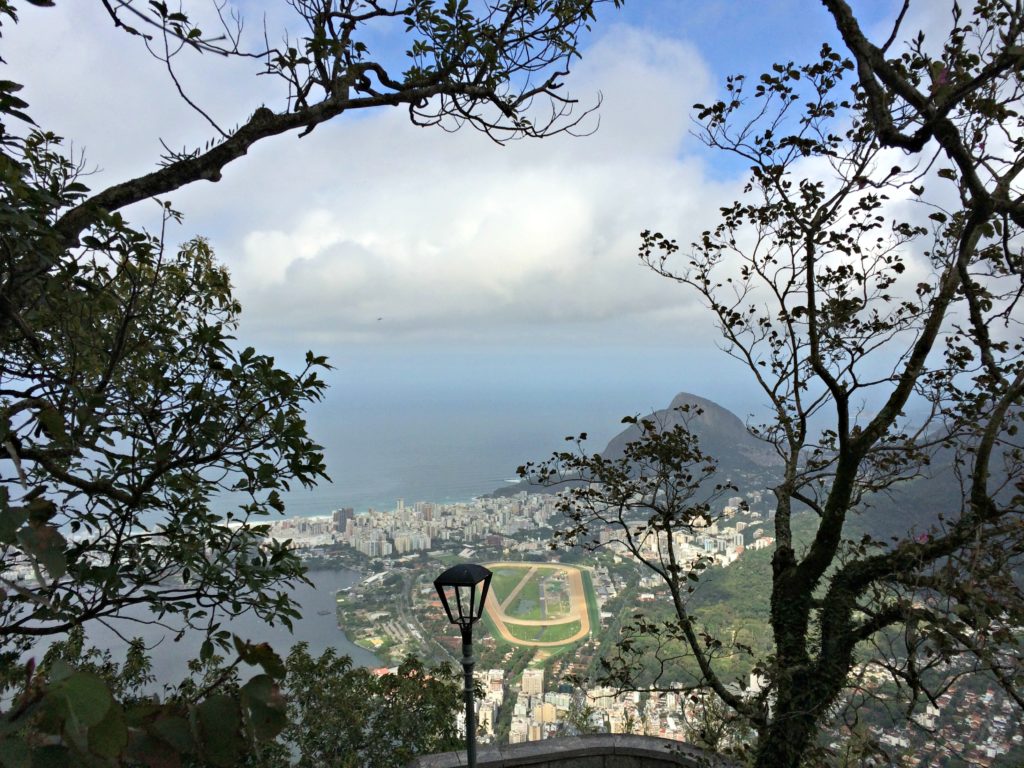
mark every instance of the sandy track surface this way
{"type": "Point", "coordinates": [577, 607]}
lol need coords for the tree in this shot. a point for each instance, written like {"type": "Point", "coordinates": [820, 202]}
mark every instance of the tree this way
{"type": "Point", "coordinates": [496, 66]}
{"type": "Point", "coordinates": [125, 410]}
{"type": "Point", "coordinates": [872, 270]}
{"type": "Point", "coordinates": [349, 716]}
{"type": "Point", "coordinates": [325, 711]}
{"type": "Point", "coordinates": [579, 718]}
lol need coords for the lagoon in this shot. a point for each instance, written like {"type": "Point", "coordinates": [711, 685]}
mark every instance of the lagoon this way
{"type": "Point", "coordinates": [318, 627]}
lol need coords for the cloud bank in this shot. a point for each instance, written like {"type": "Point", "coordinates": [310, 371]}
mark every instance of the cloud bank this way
{"type": "Point", "coordinates": [372, 230]}
{"type": "Point", "coordinates": [425, 233]}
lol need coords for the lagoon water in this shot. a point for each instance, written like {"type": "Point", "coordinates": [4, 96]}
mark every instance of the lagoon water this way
{"type": "Point", "coordinates": [318, 627]}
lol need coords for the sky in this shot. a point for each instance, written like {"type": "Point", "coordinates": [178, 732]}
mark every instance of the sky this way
{"type": "Point", "coordinates": [439, 270]}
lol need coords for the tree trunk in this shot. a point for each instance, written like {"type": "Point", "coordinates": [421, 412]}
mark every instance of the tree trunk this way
{"type": "Point", "coordinates": [784, 742]}
{"type": "Point", "coordinates": [801, 701]}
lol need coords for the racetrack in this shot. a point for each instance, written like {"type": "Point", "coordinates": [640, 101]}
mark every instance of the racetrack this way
{"type": "Point", "coordinates": [577, 606]}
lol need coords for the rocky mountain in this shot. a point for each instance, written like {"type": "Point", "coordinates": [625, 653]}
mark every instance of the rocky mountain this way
{"type": "Point", "coordinates": [720, 431]}
{"type": "Point", "coordinates": [910, 508]}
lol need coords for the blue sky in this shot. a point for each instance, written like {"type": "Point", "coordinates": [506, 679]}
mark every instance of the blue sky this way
{"type": "Point", "coordinates": [501, 276]}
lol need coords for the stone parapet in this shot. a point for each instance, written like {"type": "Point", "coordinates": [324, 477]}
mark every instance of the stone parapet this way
{"type": "Point", "coordinates": [595, 751]}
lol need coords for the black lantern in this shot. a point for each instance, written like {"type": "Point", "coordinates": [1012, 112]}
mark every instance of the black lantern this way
{"type": "Point", "coordinates": [463, 590]}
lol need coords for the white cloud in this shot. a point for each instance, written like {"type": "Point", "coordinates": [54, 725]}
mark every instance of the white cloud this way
{"type": "Point", "coordinates": [100, 88]}
{"type": "Point", "coordinates": [451, 236]}
{"type": "Point", "coordinates": [441, 235]}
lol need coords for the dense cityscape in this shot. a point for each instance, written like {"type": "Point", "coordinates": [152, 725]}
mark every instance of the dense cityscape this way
{"type": "Point", "coordinates": [526, 697]}
{"type": "Point", "coordinates": [496, 523]}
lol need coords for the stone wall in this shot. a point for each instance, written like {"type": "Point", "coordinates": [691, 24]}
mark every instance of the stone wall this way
{"type": "Point", "coordinates": [597, 751]}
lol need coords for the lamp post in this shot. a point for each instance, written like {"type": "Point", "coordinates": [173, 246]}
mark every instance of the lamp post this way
{"type": "Point", "coordinates": [457, 588]}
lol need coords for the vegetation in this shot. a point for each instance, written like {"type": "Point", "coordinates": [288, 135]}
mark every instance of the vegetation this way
{"type": "Point", "coordinates": [336, 714]}
{"type": "Point", "coordinates": [848, 309]}
{"type": "Point", "coordinates": [592, 610]}
{"type": "Point", "coordinates": [124, 409]}
{"type": "Point", "coordinates": [579, 717]}
{"type": "Point", "coordinates": [348, 716]}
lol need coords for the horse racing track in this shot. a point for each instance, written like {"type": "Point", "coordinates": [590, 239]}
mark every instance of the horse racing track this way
{"type": "Point", "coordinates": [538, 604]}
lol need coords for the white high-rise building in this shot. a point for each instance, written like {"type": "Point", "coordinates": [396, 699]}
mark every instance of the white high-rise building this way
{"type": "Point", "coordinates": [533, 682]}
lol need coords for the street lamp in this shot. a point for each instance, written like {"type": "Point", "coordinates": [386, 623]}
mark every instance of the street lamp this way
{"type": "Point", "coordinates": [457, 588]}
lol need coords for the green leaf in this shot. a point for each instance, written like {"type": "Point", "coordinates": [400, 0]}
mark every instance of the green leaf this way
{"type": "Point", "coordinates": [175, 731]}
{"type": "Point", "coordinates": [41, 511]}
{"type": "Point", "coordinates": [109, 736]}
{"type": "Point", "coordinates": [52, 423]}
{"type": "Point", "coordinates": [260, 654]}
{"type": "Point", "coordinates": [267, 713]}
{"type": "Point", "coordinates": [45, 543]}
{"type": "Point", "coordinates": [88, 697]}
{"type": "Point", "coordinates": [11, 519]}
{"type": "Point", "coordinates": [14, 753]}
{"type": "Point", "coordinates": [219, 724]}
{"type": "Point", "coordinates": [145, 749]}
{"type": "Point", "coordinates": [52, 756]}
{"type": "Point", "coordinates": [60, 670]}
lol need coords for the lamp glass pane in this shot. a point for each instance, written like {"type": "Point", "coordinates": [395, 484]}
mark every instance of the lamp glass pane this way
{"type": "Point", "coordinates": [449, 603]}
{"type": "Point", "coordinates": [463, 591]}
{"type": "Point", "coordinates": [463, 602]}
{"type": "Point", "coordinates": [484, 586]}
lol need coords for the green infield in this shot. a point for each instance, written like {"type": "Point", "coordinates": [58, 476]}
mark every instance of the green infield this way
{"type": "Point", "coordinates": [504, 580]}
{"type": "Point", "coordinates": [526, 603]}
{"type": "Point", "coordinates": [551, 633]}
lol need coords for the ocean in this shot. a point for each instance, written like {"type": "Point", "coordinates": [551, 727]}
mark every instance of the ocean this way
{"type": "Point", "coordinates": [446, 443]}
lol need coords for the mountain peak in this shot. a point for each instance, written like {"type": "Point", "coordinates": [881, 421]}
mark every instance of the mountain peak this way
{"type": "Point", "coordinates": [721, 432]}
